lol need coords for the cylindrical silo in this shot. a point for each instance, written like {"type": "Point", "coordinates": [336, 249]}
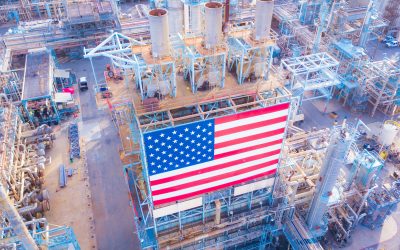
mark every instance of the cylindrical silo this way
{"type": "Point", "coordinates": [263, 19]}
{"type": "Point", "coordinates": [159, 32]}
{"type": "Point", "coordinates": [213, 24]}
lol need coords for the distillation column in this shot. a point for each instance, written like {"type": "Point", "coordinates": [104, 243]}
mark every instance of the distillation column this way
{"type": "Point", "coordinates": [334, 160]}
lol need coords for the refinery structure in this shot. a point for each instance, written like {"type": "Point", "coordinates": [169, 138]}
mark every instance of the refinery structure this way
{"type": "Point", "coordinates": [191, 124]}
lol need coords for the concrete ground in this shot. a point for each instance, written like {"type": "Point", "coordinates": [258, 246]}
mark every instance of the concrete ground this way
{"type": "Point", "coordinates": [377, 51]}
{"type": "Point", "coordinates": [113, 216]}
{"type": "Point", "coordinates": [72, 204]}
{"type": "Point", "coordinates": [317, 116]}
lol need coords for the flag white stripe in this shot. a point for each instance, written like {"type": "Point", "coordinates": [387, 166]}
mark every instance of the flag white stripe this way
{"type": "Point", "coordinates": [214, 173]}
{"type": "Point", "coordinates": [214, 162]}
{"type": "Point", "coordinates": [247, 144]}
{"type": "Point", "coordinates": [250, 120]}
{"type": "Point", "coordinates": [213, 184]}
{"type": "Point", "coordinates": [249, 132]}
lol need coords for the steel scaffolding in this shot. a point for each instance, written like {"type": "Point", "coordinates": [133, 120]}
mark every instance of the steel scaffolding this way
{"type": "Point", "coordinates": [248, 59]}
{"type": "Point", "coordinates": [202, 65]}
{"type": "Point", "coordinates": [382, 85]}
{"type": "Point", "coordinates": [315, 73]}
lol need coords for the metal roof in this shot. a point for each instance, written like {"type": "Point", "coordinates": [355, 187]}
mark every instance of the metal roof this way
{"type": "Point", "coordinates": [37, 81]}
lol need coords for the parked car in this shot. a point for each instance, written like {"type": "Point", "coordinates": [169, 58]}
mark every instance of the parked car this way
{"type": "Point", "coordinates": [388, 39]}
{"type": "Point", "coordinates": [392, 44]}
{"type": "Point", "coordinates": [83, 84]}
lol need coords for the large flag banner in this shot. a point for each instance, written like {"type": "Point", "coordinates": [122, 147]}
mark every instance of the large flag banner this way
{"type": "Point", "coordinates": [208, 155]}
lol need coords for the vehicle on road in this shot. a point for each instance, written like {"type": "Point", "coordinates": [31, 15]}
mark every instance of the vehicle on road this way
{"type": "Point", "coordinates": [388, 39]}
{"type": "Point", "coordinates": [392, 44]}
{"type": "Point", "coordinates": [83, 84]}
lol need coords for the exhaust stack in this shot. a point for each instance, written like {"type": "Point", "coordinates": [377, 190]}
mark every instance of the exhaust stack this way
{"type": "Point", "coordinates": [159, 32]}
{"type": "Point", "coordinates": [213, 24]}
{"type": "Point", "coordinates": [263, 19]}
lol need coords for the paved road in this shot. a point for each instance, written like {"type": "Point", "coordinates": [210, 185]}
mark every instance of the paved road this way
{"type": "Point", "coordinates": [112, 214]}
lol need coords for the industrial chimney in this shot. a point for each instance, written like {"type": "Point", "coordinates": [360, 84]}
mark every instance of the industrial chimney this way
{"type": "Point", "coordinates": [159, 32]}
{"type": "Point", "coordinates": [263, 19]}
{"type": "Point", "coordinates": [213, 24]}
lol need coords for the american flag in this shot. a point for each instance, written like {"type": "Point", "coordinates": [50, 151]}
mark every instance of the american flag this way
{"type": "Point", "coordinates": [200, 157]}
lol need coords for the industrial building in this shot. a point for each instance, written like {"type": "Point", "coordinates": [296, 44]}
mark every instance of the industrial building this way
{"type": "Point", "coordinates": [265, 124]}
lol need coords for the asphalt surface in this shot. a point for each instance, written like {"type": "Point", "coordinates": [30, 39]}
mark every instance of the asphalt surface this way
{"type": "Point", "coordinates": [113, 214]}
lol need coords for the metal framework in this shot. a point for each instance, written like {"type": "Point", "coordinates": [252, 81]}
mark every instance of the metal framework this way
{"type": "Point", "coordinates": [251, 218]}
{"type": "Point", "coordinates": [315, 73]}
{"type": "Point", "coordinates": [202, 65]}
{"type": "Point", "coordinates": [382, 85]}
{"type": "Point", "coordinates": [247, 58]}
{"type": "Point", "coordinates": [133, 57]}
{"type": "Point", "coordinates": [352, 60]}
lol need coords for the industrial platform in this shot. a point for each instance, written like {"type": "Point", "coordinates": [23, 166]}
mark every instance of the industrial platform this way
{"type": "Point", "coordinates": [186, 124]}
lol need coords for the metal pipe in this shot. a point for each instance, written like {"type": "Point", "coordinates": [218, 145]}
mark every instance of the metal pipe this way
{"type": "Point", "coordinates": [21, 191]}
{"type": "Point", "coordinates": [16, 221]}
{"type": "Point", "coordinates": [227, 3]}
{"type": "Point", "coordinates": [3, 95]}
{"type": "Point", "coordinates": [217, 212]}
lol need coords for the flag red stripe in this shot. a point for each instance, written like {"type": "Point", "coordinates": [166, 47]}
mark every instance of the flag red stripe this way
{"type": "Point", "coordinates": [247, 149]}
{"type": "Point", "coordinates": [250, 126]}
{"type": "Point", "coordinates": [249, 138]}
{"type": "Point", "coordinates": [252, 113]}
{"type": "Point", "coordinates": [214, 178]}
{"type": "Point", "coordinates": [211, 189]}
{"type": "Point", "coordinates": [213, 168]}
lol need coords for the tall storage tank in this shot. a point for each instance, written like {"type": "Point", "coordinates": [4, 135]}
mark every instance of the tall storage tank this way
{"type": "Point", "coordinates": [159, 32]}
{"type": "Point", "coordinates": [213, 24]}
{"type": "Point", "coordinates": [263, 19]}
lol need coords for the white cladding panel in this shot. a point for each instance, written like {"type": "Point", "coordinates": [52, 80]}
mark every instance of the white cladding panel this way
{"type": "Point", "coordinates": [178, 207]}
{"type": "Point", "coordinates": [253, 186]}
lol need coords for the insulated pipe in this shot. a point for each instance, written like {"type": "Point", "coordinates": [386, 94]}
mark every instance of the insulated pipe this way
{"type": "Point", "coordinates": [305, 194]}
{"type": "Point", "coordinates": [29, 195]}
{"type": "Point", "coordinates": [159, 32]}
{"type": "Point", "coordinates": [217, 212]}
{"type": "Point", "coordinates": [21, 158]}
{"type": "Point", "coordinates": [263, 19]}
{"type": "Point", "coordinates": [21, 191]}
{"type": "Point", "coordinates": [227, 3]}
{"type": "Point", "coordinates": [213, 24]}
